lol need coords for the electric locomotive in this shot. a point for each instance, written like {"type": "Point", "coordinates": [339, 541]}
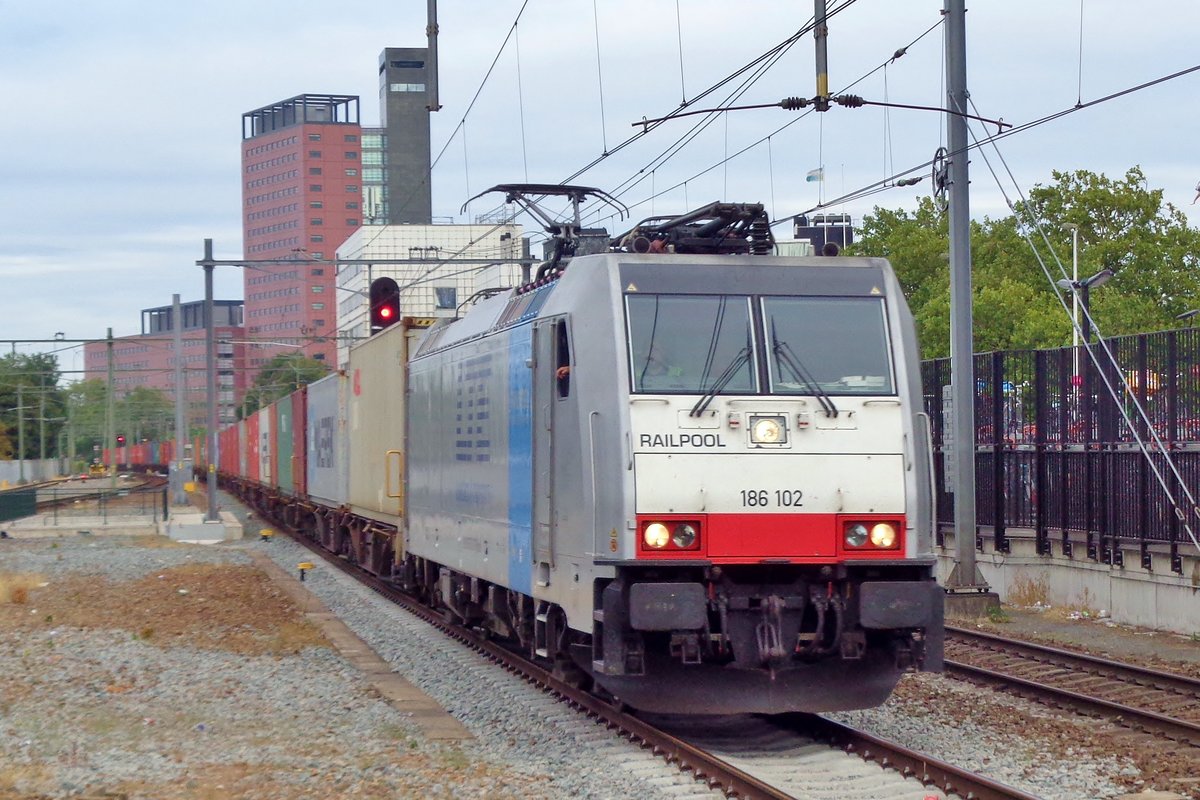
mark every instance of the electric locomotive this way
{"type": "Point", "coordinates": [682, 468]}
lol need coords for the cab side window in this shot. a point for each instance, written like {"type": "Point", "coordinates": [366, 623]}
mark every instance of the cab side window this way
{"type": "Point", "coordinates": [562, 355]}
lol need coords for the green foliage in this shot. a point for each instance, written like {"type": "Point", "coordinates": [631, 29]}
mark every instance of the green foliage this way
{"type": "Point", "coordinates": [141, 414]}
{"type": "Point", "coordinates": [30, 399]}
{"type": "Point", "coordinates": [282, 375]}
{"type": "Point", "coordinates": [1123, 226]}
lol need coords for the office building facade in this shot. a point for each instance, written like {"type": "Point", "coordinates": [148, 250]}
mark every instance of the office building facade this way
{"type": "Point", "coordinates": [301, 198]}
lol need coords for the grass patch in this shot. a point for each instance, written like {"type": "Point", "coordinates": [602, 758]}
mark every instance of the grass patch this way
{"type": "Point", "coordinates": [1029, 591]}
{"type": "Point", "coordinates": [998, 615]}
{"type": "Point", "coordinates": [455, 759]}
{"type": "Point", "coordinates": [15, 587]}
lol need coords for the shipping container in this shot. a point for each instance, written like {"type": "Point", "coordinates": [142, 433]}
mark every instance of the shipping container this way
{"type": "Point", "coordinates": [249, 444]}
{"type": "Point", "coordinates": [327, 474]}
{"type": "Point", "coordinates": [281, 448]}
{"type": "Point", "coordinates": [229, 452]}
{"type": "Point", "coordinates": [375, 420]}
{"type": "Point", "coordinates": [265, 472]}
{"type": "Point", "coordinates": [270, 445]}
{"type": "Point", "coordinates": [299, 442]}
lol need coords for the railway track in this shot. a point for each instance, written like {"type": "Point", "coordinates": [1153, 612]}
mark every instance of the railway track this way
{"type": "Point", "coordinates": [743, 757]}
{"type": "Point", "coordinates": [68, 491]}
{"type": "Point", "coordinates": [1144, 699]}
{"type": "Point", "coordinates": [1152, 715]}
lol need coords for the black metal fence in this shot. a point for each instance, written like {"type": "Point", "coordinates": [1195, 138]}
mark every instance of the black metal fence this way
{"type": "Point", "coordinates": [1055, 454]}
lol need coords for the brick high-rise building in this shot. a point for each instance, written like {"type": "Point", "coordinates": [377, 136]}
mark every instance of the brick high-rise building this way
{"type": "Point", "coordinates": [301, 198]}
{"type": "Point", "coordinates": [148, 360]}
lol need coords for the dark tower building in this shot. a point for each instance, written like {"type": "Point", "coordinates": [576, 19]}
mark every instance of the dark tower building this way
{"type": "Point", "coordinates": [403, 108]}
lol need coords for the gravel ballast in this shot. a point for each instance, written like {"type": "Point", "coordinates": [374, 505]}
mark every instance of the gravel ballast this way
{"type": "Point", "coordinates": [169, 711]}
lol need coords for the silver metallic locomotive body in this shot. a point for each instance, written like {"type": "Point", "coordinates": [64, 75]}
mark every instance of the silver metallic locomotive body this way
{"type": "Point", "coordinates": [701, 481]}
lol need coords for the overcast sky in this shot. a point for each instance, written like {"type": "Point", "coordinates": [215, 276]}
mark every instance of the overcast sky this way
{"type": "Point", "coordinates": [122, 122]}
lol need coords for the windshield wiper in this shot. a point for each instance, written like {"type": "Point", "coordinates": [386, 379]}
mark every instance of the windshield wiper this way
{"type": "Point", "coordinates": [721, 382]}
{"type": "Point", "coordinates": [785, 356]}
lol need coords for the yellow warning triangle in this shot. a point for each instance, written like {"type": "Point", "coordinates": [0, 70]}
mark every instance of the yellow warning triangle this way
{"type": "Point", "coordinates": [875, 290]}
{"type": "Point", "coordinates": [632, 287]}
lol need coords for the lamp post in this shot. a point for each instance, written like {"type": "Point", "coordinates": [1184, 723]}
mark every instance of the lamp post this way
{"type": "Point", "coordinates": [1074, 229]}
{"type": "Point", "coordinates": [1082, 290]}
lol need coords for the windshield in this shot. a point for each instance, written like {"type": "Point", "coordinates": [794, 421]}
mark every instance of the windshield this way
{"type": "Point", "coordinates": [691, 344]}
{"type": "Point", "coordinates": [837, 345]}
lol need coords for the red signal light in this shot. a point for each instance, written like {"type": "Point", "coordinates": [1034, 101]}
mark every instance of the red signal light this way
{"type": "Point", "coordinates": [384, 303]}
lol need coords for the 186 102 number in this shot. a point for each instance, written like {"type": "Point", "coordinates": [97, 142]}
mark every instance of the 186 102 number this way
{"type": "Point", "coordinates": [766, 498]}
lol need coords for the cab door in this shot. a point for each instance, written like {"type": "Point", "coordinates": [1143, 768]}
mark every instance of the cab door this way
{"type": "Point", "coordinates": [544, 365]}
{"type": "Point", "coordinates": [554, 412]}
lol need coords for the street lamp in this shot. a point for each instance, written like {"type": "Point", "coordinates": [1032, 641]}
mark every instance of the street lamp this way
{"type": "Point", "coordinates": [1082, 288]}
{"type": "Point", "coordinates": [1074, 229]}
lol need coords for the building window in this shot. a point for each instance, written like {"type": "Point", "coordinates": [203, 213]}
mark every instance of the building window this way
{"type": "Point", "coordinates": [352, 188]}
{"type": "Point", "coordinates": [318, 270]}
{"type": "Point", "coordinates": [352, 155]}
{"type": "Point", "coordinates": [373, 140]}
{"type": "Point", "coordinates": [408, 87]}
{"type": "Point", "coordinates": [316, 237]}
{"type": "Point", "coordinates": [372, 157]}
{"type": "Point", "coordinates": [314, 153]}
{"type": "Point", "coordinates": [407, 64]}
{"type": "Point", "coordinates": [318, 306]}
{"type": "Point", "coordinates": [314, 187]}
{"type": "Point", "coordinates": [318, 288]}
{"type": "Point", "coordinates": [318, 255]}
{"type": "Point", "coordinates": [316, 221]}
{"type": "Point", "coordinates": [352, 204]}
{"type": "Point", "coordinates": [314, 137]}
{"type": "Point", "coordinates": [351, 223]}
{"type": "Point", "coordinates": [316, 204]}
{"type": "Point", "coordinates": [320, 323]}
{"type": "Point", "coordinates": [314, 170]}
{"type": "Point", "coordinates": [350, 137]}
{"type": "Point", "coordinates": [351, 173]}
{"type": "Point", "coordinates": [373, 175]}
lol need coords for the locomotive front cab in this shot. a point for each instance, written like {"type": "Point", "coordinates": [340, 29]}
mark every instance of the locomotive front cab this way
{"type": "Point", "coordinates": [778, 558]}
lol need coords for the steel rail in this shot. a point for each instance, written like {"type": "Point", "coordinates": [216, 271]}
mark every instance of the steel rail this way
{"type": "Point", "coordinates": [1127, 716]}
{"type": "Point", "coordinates": [1143, 676]}
{"type": "Point", "coordinates": [706, 768]}
{"type": "Point", "coordinates": [930, 771]}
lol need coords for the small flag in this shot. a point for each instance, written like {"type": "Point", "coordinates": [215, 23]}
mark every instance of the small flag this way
{"type": "Point", "coordinates": [815, 175]}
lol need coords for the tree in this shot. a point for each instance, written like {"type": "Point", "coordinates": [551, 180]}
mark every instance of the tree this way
{"type": "Point", "coordinates": [279, 377]}
{"type": "Point", "coordinates": [145, 413]}
{"type": "Point", "coordinates": [1123, 226]}
{"type": "Point", "coordinates": [30, 399]}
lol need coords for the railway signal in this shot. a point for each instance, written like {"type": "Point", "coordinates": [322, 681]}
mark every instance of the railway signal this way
{"type": "Point", "coordinates": [120, 440]}
{"type": "Point", "coordinates": [385, 303]}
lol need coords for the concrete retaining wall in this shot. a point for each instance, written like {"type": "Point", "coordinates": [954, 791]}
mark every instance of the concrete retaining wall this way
{"type": "Point", "coordinates": [35, 470]}
{"type": "Point", "coordinates": [1158, 598]}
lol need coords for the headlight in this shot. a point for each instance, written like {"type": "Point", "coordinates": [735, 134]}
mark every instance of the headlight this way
{"type": "Point", "coordinates": [883, 535]}
{"type": "Point", "coordinates": [684, 536]}
{"type": "Point", "coordinates": [767, 430]}
{"type": "Point", "coordinates": [856, 535]}
{"type": "Point", "coordinates": [656, 535]}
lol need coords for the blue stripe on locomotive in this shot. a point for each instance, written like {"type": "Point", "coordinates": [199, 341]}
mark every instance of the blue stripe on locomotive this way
{"type": "Point", "coordinates": [520, 459]}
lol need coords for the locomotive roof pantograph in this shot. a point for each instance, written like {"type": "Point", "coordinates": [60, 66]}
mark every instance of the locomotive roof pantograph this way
{"type": "Point", "coordinates": [567, 236]}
